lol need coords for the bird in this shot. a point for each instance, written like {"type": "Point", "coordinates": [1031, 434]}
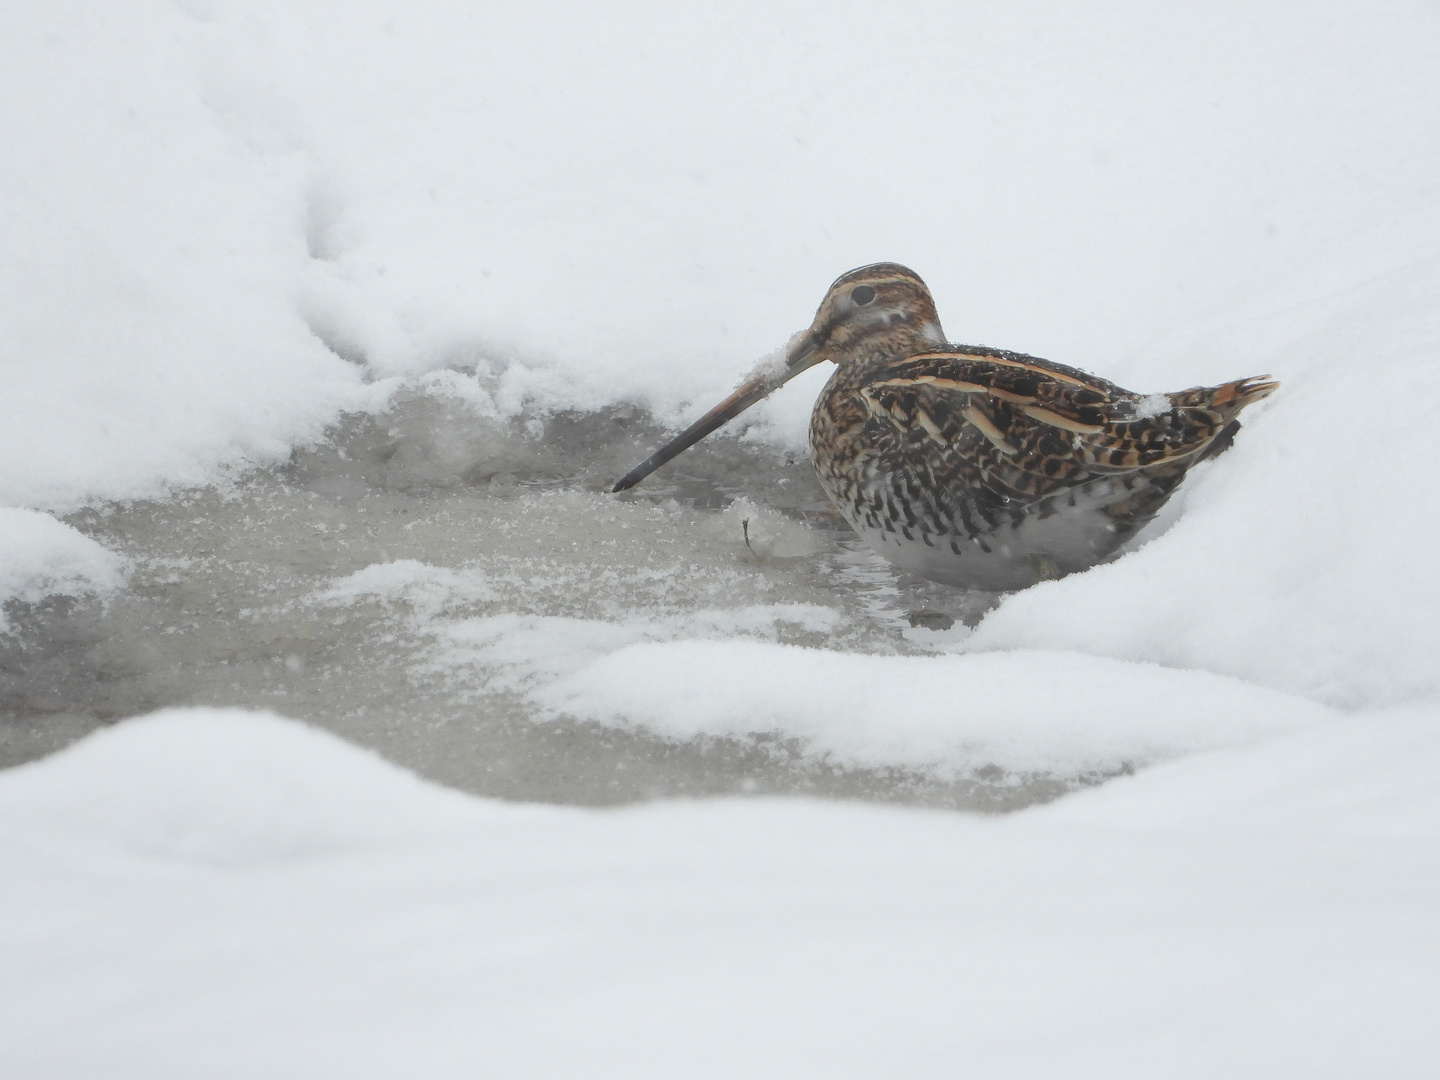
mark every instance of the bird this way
{"type": "Point", "coordinates": [975, 467]}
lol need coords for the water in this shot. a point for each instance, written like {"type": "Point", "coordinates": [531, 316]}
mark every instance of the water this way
{"type": "Point", "coordinates": [243, 595]}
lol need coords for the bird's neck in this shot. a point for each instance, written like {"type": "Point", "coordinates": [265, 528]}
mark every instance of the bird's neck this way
{"type": "Point", "coordinates": [893, 342]}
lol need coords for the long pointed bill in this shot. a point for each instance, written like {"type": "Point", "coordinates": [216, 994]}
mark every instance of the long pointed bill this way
{"type": "Point", "coordinates": [767, 377]}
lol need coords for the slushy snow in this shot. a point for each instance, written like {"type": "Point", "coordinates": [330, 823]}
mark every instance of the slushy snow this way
{"type": "Point", "coordinates": [41, 557]}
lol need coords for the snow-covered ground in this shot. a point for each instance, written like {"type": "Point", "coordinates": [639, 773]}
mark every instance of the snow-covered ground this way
{"type": "Point", "coordinates": [225, 894]}
{"type": "Point", "coordinates": [322, 328]}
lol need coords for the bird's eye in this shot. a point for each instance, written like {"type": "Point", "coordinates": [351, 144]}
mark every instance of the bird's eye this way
{"type": "Point", "coordinates": [862, 294]}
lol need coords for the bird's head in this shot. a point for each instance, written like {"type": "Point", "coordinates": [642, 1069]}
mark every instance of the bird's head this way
{"type": "Point", "coordinates": [883, 309]}
{"type": "Point", "coordinates": [880, 309]}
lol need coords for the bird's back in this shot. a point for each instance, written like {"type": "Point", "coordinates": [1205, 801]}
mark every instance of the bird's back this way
{"type": "Point", "coordinates": [990, 469]}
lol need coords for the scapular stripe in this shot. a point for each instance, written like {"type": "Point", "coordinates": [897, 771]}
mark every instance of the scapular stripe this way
{"type": "Point", "coordinates": [1002, 361]}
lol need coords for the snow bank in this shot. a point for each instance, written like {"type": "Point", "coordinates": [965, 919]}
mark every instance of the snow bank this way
{"type": "Point", "coordinates": [147, 330]}
{"type": "Point", "coordinates": [198, 892]}
{"type": "Point", "coordinates": [684, 666]}
{"type": "Point", "coordinates": [41, 557]}
{"type": "Point", "coordinates": [1020, 711]}
{"type": "Point", "coordinates": [224, 787]}
{"type": "Point", "coordinates": [637, 202]}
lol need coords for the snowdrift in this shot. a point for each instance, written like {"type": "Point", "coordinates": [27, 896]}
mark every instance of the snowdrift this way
{"type": "Point", "coordinates": [198, 891]}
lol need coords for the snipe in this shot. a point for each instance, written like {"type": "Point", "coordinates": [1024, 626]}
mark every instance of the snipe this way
{"type": "Point", "coordinates": [972, 466]}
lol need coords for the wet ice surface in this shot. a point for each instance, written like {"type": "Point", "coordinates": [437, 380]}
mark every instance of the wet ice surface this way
{"type": "Point", "coordinates": [408, 583]}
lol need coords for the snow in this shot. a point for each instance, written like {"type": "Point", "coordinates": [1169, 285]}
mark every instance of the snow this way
{"type": "Point", "coordinates": [427, 589]}
{"type": "Point", "coordinates": [42, 557]}
{"type": "Point", "coordinates": [1152, 406]}
{"type": "Point", "coordinates": [147, 336]}
{"type": "Point", "coordinates": [211, 892]}
{"type": "Point", "coordinates": [964, 712]}
{"type": "Point", "coordinates": [227, 226]}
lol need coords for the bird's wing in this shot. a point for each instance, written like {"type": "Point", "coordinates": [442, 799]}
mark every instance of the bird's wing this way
{"type": "Point", "coordinates": [1030, 427]}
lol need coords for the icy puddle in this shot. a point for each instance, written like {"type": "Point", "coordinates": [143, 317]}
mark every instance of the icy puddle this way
{"type": "Point", "coordinates": [418, 582]}
{"type": "Point", "coordinates": [465, 596]}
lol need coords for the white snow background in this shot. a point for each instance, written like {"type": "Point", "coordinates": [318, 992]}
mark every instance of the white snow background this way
{"type": "Point", "coordinates": [226, 224]}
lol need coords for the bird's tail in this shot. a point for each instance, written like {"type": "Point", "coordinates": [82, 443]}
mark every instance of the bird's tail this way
{"type": "Point", "coordinates": [1234, 396]}
{"type": "Point", "coordinates": [1226, 400]}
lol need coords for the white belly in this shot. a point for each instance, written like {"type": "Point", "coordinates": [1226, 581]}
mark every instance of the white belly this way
{"type": "Point", "coordinates": [1071, 539]}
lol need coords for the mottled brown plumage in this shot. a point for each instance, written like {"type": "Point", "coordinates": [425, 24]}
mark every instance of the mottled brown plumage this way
{"type": "Point", "coordinates": [972, 466]}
